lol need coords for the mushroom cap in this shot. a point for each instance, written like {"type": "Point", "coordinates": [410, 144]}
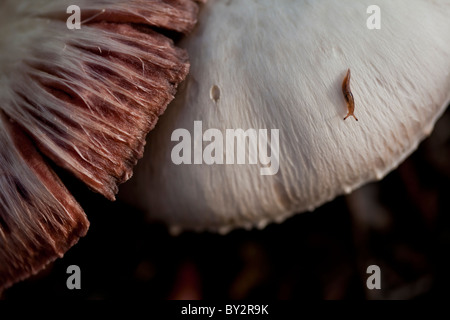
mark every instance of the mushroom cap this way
{"type": "Point", "coordinates": [280, 65]}
{"type": "Point", "coordinates": [80, 99]}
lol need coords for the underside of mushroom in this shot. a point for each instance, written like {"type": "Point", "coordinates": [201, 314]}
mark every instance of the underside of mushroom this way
{"type": "Point", "coordinates": [280, 65]}
{"type": "Point", "coordinates": [83, 100]}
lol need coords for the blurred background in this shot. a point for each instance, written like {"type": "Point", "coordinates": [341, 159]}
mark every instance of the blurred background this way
{"type": "Point", "coordinates": [401, 224]}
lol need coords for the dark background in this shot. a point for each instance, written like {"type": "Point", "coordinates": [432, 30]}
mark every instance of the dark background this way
{"type": "Point", "coordinates": [401, 224]}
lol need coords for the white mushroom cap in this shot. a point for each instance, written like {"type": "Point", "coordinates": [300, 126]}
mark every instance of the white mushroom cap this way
{"type": "Point", "coordinates": [280, 65]}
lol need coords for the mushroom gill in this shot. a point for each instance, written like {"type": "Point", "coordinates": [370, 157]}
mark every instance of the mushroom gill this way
{"type": "Point", "coordinates": [83, 99]}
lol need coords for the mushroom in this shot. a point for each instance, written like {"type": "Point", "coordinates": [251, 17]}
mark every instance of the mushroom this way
{"type": "Point", "coordinates": [280, 65]}
{"type": "Point", "coordinates": [80, 99]}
